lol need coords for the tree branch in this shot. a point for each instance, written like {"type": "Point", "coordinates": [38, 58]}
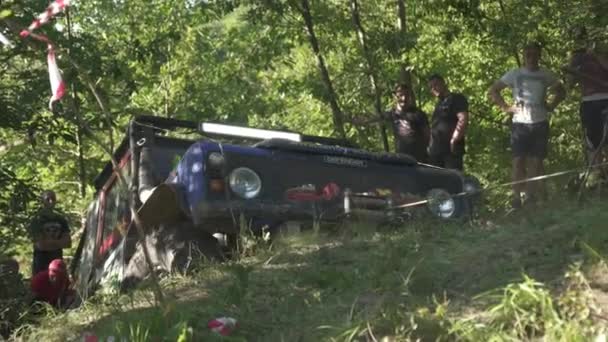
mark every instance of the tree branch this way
{"type": "Point", "coordinates": [354, 6]}
{"type": "Point", "coordinates": [338, 117]}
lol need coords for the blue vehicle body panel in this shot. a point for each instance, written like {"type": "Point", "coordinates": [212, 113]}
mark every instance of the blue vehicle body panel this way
{"type": "Point", "coordinates": [191, 175]}
{"type": "Point", "coordinates": [292, 166]}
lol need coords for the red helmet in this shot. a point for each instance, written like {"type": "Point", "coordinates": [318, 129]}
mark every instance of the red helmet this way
{"type": "Point", "coordinates": [57, 266]}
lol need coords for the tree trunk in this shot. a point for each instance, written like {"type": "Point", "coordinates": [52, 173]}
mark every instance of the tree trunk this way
{"type": "Point", "coordinates": [405, 76]}
{"type": "Point", "coordinates": [401, 18]}
{"type": "Point", "coordinates": [338, 116]}
{"type": "Point", "coordinates": [354, 6]}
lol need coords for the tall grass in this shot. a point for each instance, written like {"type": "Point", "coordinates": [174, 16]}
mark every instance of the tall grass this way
{"type": "Point", "coordinates": [528, 277]}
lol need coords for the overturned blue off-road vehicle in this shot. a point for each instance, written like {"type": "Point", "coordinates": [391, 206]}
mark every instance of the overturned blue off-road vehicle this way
{"type": "Point", "coordinates": [194, 197]}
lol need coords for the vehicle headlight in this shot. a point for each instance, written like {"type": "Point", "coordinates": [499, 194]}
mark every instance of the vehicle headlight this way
{"type": "Point", "coordinates": [245, 182]}
{"type": "Point", "coordinates": [441, 203]}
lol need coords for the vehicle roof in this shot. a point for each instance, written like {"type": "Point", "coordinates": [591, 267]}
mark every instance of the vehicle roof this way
{"type": "Point", "coordinates": [157, 125]}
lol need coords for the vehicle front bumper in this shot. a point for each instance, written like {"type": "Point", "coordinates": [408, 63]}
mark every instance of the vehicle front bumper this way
{"type": "Point", "coordinates": [225, 215]}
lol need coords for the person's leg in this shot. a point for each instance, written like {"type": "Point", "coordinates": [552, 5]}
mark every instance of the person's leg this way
{"type": "Point", "coordinates": [542, 189]}
{"type": "Point", "coordinates": [421, 155]}
{"type": "Point", "coordinates": [519, 148]}
{"type": "Point", "coordinates": [535, 188]}
{"type": "Point", "coordinates": [454, 161]}
{"type": "Point", "coordinates": [592, 127]}
{"type": "Point", "coordinates": [412, 149]}
{"type": "Point", "coordinates": [593, 116]}
{"type": "Point", "coordinates": [437, 160]}
{"type": "Point", "coordinates": [538, 152]}
{"type": "Point", "coordinates": [518, 174]}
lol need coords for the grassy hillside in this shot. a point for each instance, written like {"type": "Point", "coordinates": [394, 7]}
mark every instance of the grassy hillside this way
{"type": "Point", "coordinates": [535, 273]}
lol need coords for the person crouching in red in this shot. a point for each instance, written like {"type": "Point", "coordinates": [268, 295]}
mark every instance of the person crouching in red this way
{"type": "Point", "coordinates": [53, 285]}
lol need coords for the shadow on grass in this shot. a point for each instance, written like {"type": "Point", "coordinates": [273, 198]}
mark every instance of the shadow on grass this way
{"type": "Point", "coordinates": [309, 288]}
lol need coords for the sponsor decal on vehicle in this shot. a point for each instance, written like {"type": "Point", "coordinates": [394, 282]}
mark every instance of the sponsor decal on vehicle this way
{"type": "Point", "coordinates": [345, 161]}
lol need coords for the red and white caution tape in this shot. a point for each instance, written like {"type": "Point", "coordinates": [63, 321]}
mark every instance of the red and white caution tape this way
{"type": "Point", "coordinates": [58, 87]}
{"type": "Point", "coordinates": [57, 83]}
{"type": "Point", "coordinates": [54, 8]}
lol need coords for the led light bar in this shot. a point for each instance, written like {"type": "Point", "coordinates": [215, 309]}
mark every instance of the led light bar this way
{"type": "Point", "coordinates": [247, 132]}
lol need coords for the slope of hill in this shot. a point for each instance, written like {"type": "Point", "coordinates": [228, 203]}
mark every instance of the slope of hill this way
{"type": "Point", "coordinates": [536, 273]}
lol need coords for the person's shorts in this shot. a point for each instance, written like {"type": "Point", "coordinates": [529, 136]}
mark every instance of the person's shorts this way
{"type": "Point", "coordinates": [593, 117]}
{"type": "Point", "coordinates": [530, 140]}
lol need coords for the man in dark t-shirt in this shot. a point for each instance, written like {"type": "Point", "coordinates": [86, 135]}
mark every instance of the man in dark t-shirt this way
{"type": "Point", "coordinates": [409, 124]}
{"type": "Point", "coordinates": [448, 126]}
{"type": "Point", "coordinates": [50, 233]}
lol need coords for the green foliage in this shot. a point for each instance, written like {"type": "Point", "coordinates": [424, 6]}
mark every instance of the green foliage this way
{"type": "Point", "coordinates": [13, 296]}
{"type": "Point", "coordinates": [525, 308]}
{"type": "Point", "coordinates": [250, 62]}
{"type": "Point", "coordinates": [15, 209]}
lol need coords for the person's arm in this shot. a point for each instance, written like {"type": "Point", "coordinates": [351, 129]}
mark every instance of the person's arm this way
{"type": "Point", "coordinates": [461, 127]}
{"type": "Point", "coordinates": [32, 228]}
{"type": "Point", "coordinates": [67, 296]}
{"type": "Point", "coordinates": [45, 244]}
{"type": "Point", "coordinates": [425, 128]}
{"type": "Point", "coordinates": [359, 121]}
{"type": "Point", "coordinates": [65, 241]}
{"type": "Point", "coordinates": [559, 94]}
{"type": "Point", "coordinates": [557, 89]}
{"type": "Point", "coordinates": [36, 287]}
{"type": "Point", "coordinates": [462, 115]}
{"type": "Point", "coordinates": [496, 97]}
{"type": "Point", "coordinates": [571, 70]}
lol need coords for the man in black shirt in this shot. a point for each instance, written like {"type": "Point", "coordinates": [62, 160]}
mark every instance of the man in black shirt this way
{"type": "Point", "coordinates": [448, 126]}
{"type": "Point", "coordinates": [50, 233]}
{"type": "Point", "coordinates": [410, 125]}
